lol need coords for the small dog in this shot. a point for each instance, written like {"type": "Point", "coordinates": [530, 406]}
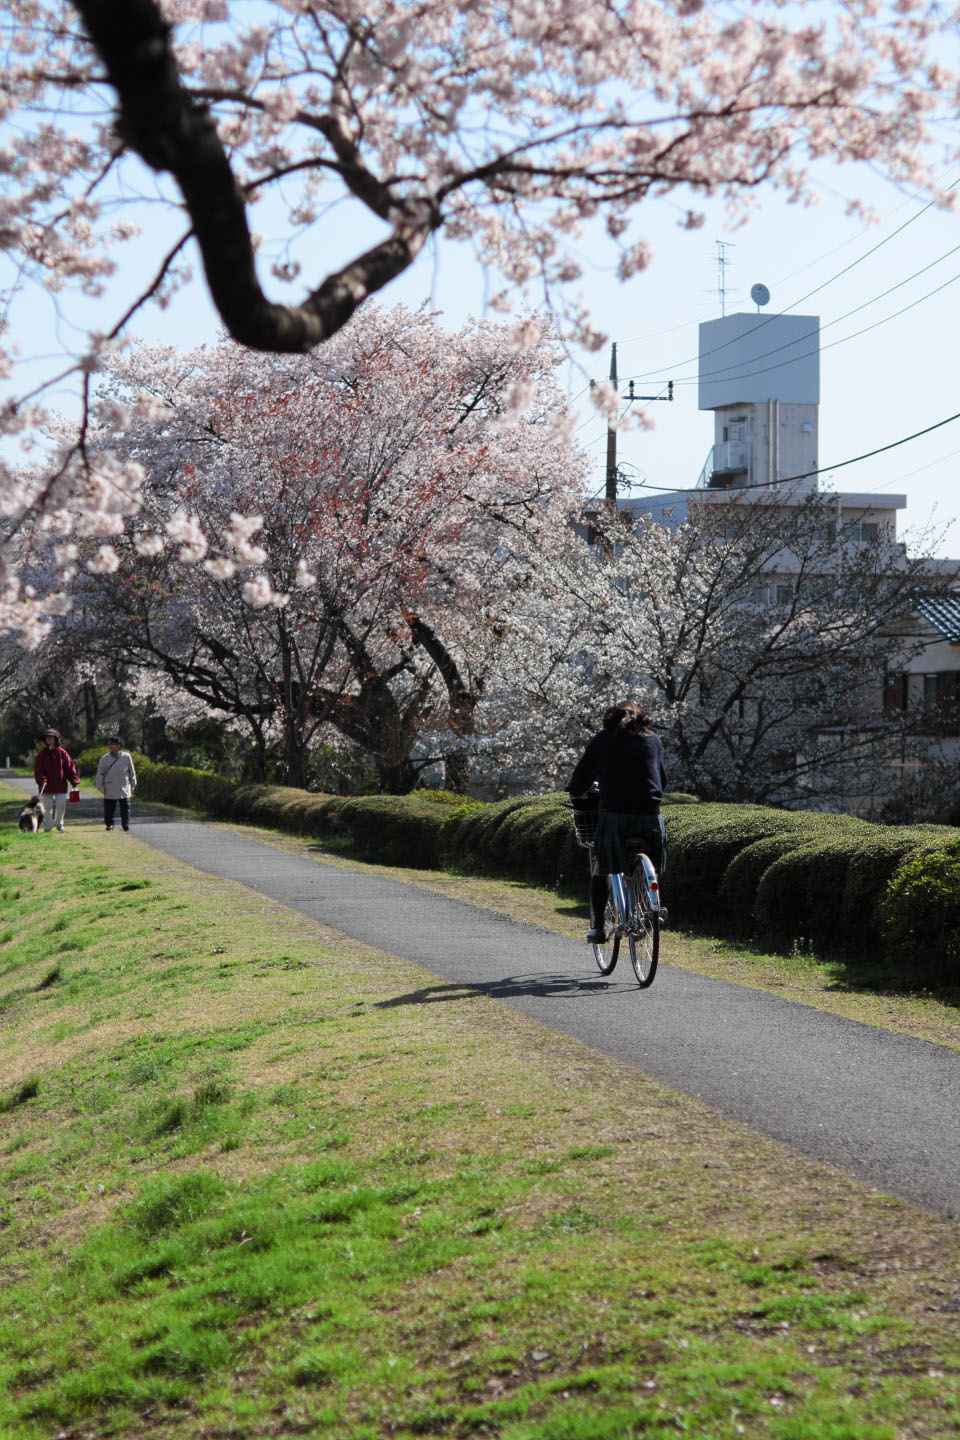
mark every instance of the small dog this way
{"type": "Point", "coordinates": [31, 816]}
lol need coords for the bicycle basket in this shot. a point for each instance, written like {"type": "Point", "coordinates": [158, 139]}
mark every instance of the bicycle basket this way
{"type": "Point", "coordinates": [586, 817]}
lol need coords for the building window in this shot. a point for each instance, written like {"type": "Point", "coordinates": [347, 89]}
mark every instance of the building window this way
{"type": "Point", "coordinates": [894, 693]}
{"type": "Point", "coordinates": [948, 701]}
{"type": "Point", "coordinates": [859, 531]}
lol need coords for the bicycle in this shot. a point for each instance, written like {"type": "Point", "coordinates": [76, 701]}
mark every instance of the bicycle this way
{"type": "Point", "coordinates": [633, 901]}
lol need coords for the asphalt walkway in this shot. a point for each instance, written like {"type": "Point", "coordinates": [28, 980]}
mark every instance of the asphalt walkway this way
{"type": "Point", "coordinates": [879, 1105]}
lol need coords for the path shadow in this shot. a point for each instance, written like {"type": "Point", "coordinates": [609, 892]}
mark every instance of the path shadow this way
{"type": "Point", "coordinates": [510, 987]}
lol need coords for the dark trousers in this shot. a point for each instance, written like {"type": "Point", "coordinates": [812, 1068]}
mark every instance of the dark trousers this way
{"type": "Point", "coordinates": [109, 808]}
{"type": "Point", "coordinates": [598, 900]}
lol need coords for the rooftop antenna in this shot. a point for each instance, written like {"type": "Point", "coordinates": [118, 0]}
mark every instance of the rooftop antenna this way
{"type": "Point", "coordinates": [760, 295]}
{"type": "Point", "coordinates": [722, 262]}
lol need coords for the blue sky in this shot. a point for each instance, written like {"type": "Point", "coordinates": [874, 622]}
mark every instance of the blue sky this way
{"type": "Point", "coordinates": [898, 376]}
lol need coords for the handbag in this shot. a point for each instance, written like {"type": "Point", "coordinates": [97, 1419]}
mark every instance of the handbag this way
{"type": "Point", "coordinates": [74, 796]}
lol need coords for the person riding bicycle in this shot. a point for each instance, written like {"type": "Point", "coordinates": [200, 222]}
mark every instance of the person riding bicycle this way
{"type": "Point", "coordinates": [625, 758]}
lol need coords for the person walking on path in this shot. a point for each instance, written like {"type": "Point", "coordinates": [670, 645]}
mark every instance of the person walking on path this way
{"type": "Point", "coordinates": [626, 759]}
{"type": "Point", "coordinates": [116, 780]}
{"type": "Point", "coordinates": [55, 774]}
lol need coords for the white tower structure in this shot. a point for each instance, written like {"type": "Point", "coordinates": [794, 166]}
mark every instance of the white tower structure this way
{"type": "Point", "coordinates": [760, 375]}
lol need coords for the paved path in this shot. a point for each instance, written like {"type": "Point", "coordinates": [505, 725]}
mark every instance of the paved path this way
{"type": "Point", "coordinates": [881, 1106]}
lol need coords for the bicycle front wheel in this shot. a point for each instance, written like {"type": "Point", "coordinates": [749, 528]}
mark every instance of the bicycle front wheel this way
{"type": "Point", "coordinates": [607, 953]}
{"type": "Point", "coordinates": [644, 932]}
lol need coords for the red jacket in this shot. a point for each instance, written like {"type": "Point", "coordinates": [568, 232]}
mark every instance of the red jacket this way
{"type": "Point", "coordinates": [54, 766]}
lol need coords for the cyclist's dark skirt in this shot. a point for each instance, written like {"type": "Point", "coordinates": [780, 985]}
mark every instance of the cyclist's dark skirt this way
{"type": "Point", "coordinates": [619, 836]}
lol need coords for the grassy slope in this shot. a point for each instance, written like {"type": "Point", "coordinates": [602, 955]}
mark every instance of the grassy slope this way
{"type": "Point", "coordinates": [260, 1180]}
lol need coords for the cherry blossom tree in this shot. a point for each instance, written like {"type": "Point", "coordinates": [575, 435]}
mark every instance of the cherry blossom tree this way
{"type": "Point", "coordinates": [382, 473]}
{"type": "Point", "coordinates": [508, 126]}
{"type": "Point", "coordinates": [754, 635]}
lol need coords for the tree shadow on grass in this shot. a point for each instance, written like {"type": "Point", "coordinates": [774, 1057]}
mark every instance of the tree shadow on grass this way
{"type": "Point", "coordinates": [857, 975]}
{"type": "Point", "coordinates": [511, 987]}
{"type": "Point", "coordinates": [849, 973]}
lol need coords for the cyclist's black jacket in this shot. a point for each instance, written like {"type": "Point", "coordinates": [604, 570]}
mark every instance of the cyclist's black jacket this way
{"type": "Point", "coordinates": [629, 768]}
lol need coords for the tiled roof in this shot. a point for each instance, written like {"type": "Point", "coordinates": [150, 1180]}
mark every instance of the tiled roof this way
{"type": "Point", "coordinates": [943, 613]}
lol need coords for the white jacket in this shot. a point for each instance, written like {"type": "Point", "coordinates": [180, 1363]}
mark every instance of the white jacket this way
{"type": "Point", "coordinates": [116, 776]}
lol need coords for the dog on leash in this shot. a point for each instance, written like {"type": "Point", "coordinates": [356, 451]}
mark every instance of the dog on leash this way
{"type": "Point", "coordinates": [31, 816]}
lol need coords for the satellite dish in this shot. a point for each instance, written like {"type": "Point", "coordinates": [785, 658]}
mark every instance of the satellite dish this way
{"type": "Point", "coordinates": [760, 295]}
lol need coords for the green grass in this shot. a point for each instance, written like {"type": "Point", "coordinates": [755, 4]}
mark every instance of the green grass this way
{"type": "Point", "coordinates": [251, 1184]}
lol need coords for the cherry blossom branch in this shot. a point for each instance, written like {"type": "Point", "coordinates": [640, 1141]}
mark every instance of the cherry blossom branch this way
{"type": "Point", "coordinates": [152, 288]}
{"type": "Point", "coordinates": [165, 126]}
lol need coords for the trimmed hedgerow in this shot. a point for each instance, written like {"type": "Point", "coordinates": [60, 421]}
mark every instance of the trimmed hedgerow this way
{"type": "Point", "coordinates": [477, 841]}
{"type": "Point", "coordinates": [700, 854]}
{"type": "Point", "coordinates": [736, 911]}
{"type": "Point", "coordinates": [873, 865]}
{"type": "Point", "coordinates": [398, 829]}
{"type": "Point", "coordinates": [920, 914]}
{"type": "Point", "coordinates": [800, 894]}
{"type": "Point", "coordinates": [531, 837]}
{"type": "Point", "coordinates": [172, 784]}
{"type": "Point", "coordinates": [180, 785]}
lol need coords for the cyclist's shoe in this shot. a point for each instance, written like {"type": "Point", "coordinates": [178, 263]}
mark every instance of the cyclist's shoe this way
{"type": "Point", "coordinates": [596, 937]}
{"type": "Point", "coordinates": [664, 914]}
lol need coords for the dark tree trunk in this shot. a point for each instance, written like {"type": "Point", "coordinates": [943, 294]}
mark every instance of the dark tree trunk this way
{"type": "Point", "coordinates": [172, 131]}
{"type": "Point", "coordinates": [456, 773]}
{"type": "Point", "coordinates": [295, 758]}
{"type": "Point", "coordinates": [398, 778]}
{"type": "Point", "coordinates": [91, 713]}
{"type": "Point", "coordinates": [461, 699]}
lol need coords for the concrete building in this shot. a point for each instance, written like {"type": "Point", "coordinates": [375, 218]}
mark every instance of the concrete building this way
{"type": "Point", "coordinates": [760, 375]}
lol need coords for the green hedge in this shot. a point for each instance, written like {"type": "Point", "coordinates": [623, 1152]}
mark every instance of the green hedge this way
{"type": "Point", "coordinates": [799, 898]}
{"type": "Point", "coordinates": [736, 910]}
{"type": "Point", "coordinates": [785, 878]}
{"type": "Point", "coordinates": [921, 916]}
{"type": "Point", "coordinates": [531, 838]}
{"type": "Point", "coordinates": [172, 784]}
{"type": "Point", "coordinates": [400, 830]}
{"type": "Point", "coordinates": [703, 842]}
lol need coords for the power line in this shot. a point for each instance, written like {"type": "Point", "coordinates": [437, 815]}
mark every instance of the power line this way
{"type": "Point", "coordinates": [710, 374]}
{"type": "Point", "coordinates": [662, 369]}
{"type": "Point", "coordinates": [818, 349]}
{"type": "Point", "coordinates": [807, 474]}
{"type": "Point", "coordinates": [930, 465]}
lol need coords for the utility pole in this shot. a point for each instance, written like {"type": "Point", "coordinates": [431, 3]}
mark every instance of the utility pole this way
{"type": "Point", "coordinates": [610, 497]}
{"type": "Point", "coordinates": [611, 491]}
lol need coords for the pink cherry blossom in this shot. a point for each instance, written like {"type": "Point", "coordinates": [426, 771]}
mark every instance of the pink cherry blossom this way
{"type": "Point", "coordinates": [507, 125]}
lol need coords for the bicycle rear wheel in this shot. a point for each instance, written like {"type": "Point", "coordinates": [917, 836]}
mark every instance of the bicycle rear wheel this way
{"type": "Point", "coordinates": [607, 953]}
{"type": "Point", "coordinates": [644, 933]}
